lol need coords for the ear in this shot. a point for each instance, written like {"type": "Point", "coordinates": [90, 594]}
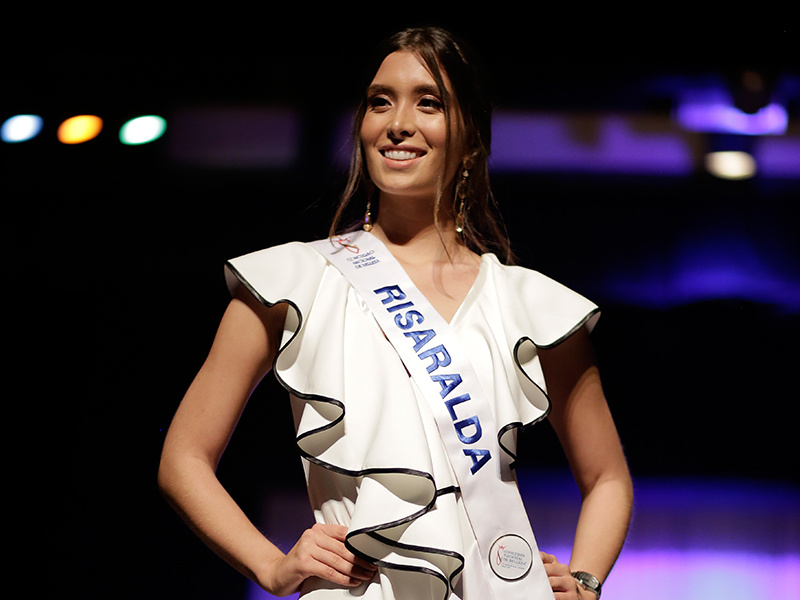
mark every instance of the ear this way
{"type": "Point", "coordinates": [469, 159]}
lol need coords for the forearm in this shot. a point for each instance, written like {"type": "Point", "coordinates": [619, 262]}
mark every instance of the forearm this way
{"type": "Point", "coordinates": [602, 526]}
{"type": "Point", "coordinates": [192, 488]}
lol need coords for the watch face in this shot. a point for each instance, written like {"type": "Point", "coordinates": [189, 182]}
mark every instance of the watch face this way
{"type": "Point", "coordinates": [588, 580]}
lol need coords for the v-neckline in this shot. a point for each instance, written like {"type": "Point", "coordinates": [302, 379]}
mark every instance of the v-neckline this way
{"type": "Point", "coordinates": [477, 284]}
{"type": "Point", "coordinates": [468, 299]}
{"type": "Point", "coordinates": [474, 290]}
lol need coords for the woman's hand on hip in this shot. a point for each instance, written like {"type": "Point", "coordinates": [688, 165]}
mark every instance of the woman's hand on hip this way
{"type": "Point", "coordinates": [320, 552]}
{"type": "Point", "coordinates": [561, 581]}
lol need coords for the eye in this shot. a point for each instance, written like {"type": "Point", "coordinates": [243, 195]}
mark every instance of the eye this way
{"type": "Point", "coordinates": [378, 103]}
{"type": "Point", "coordinates": [430, 103]}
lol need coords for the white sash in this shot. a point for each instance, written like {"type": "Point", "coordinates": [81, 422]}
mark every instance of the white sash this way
{"type": "Point", "coordinates": [512, 567]}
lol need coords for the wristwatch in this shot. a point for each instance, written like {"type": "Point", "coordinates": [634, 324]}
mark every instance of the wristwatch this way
{"type": "Point", "coordinates": [589, 581]}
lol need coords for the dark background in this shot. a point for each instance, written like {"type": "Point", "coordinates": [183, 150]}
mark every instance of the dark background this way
{"type": "Point", "coordinates": [116, 256]}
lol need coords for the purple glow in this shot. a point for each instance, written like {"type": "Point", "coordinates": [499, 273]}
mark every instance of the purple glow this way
{"type": "Point", "coordinates": [778, 156]}
{"type": "Point", "coordinates": [714, 112]}
{"type": "Point", "coordinates": [233, 137]}
{"type": "Point", "coordinates": [691, 574]}
{"type": "Point", "coordinates": [688, 575]}
{"type": "Point", "coordinates": [588, 143]}
{"type": "Point", "coordinates": [720, 118]}
{"type": "Point", "coordinates": [689, 539]}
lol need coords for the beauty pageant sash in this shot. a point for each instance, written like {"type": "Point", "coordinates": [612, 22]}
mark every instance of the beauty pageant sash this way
{"type": "Point", "coordinates": [512, 567]}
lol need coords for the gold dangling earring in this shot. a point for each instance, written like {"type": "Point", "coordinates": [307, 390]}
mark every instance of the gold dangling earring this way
{"type": "Point", "coordinates": [461, 193]}
{"type": "Point", "coordinates": [368, 218]}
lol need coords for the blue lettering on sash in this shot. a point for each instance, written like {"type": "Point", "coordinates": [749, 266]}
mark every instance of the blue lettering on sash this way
{"type": "Point", "coordinates": [477, 463]}
{"type": "Point", "coordinates": [438, 355]}
{"type": "Point", "coordinates": [411, 317]}
{"type": "Point", "coordinates": [463, 424]}
{"type": "Point", "coordinates": [393, 292]}
{"type": "Point", "coordinates": [397, 307]}
{"type": "Point", "coordinates": [420, 337]}
{"type": "Point", "coordinates": [467, 429]}
{"type": "Point", "coordinates": [452, 402]}
{"type": "Point", "coordinates": [448, 383]}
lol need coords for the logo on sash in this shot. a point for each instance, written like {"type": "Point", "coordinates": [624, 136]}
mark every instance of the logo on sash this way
{"type": "Point", "coordinates": [510, 557]}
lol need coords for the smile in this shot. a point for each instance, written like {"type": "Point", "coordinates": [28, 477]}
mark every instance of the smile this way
{"type": "Point", "coordinates": [401, 154]}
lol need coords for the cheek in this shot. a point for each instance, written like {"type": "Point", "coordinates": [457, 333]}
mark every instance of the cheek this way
{"type": "Point", "coordinates": [367, 138]}
{"type": "Point", "coordinates": [370, 129]}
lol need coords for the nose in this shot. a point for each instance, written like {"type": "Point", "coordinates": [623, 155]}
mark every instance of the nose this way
{"type": "Point", "coordinates": [401, 126]}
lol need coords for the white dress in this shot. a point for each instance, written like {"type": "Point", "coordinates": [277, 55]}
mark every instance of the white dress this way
{"type": "Point", "coordinates": [373, 458]}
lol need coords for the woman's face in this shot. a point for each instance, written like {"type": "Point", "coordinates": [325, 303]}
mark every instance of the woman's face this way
{"type": "Point", "coordinates": [404, 131]}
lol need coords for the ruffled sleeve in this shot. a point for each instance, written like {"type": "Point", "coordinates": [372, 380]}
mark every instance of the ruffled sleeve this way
{"type": "Point", "coordinates": [289, 271]}
{"type": "Point", "coordinates": [536, 313]}
{"type": "Point", "coordinates": [542, 309]}
{"type": "Point", "coordinates": [373, 460]}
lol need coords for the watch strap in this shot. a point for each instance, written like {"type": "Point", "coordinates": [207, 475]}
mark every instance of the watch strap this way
{"type": "Point", "coordinates": [588, 581]}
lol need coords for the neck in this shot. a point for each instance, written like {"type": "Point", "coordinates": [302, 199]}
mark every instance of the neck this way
{"type": "Point", "coordinates": [409, 231]}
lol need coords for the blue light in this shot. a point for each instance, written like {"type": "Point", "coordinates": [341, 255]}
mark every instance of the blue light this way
{"type": "Point", "coordinates": [710, 264]}
{"type": "Point", "coordinates": [20, 128]}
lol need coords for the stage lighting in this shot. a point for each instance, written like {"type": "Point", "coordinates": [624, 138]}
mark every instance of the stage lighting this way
{"type": "Point", "coordinates": [80, 129]}
{"type": "Point", "coordinates": [20, 128]}
{"type": "Point", "coordinates": [713, 111]}
{"type": "Point", "coordinates": [142, 130]}
{"type": "Point", "coordinates": [731, 164]}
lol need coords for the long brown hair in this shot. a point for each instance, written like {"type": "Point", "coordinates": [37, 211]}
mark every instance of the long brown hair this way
{"type": "Point", "coordinates": [445, 57]}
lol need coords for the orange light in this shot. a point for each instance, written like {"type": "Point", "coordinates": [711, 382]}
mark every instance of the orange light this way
{"type": "Point", "coordinates": [77, 130]}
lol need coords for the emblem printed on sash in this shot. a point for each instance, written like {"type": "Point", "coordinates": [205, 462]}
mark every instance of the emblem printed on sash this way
{"type": "Point", "coordinates": [510, 557]}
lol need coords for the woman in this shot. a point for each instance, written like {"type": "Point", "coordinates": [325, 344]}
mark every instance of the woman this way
{"type": "Point", "coordinates": [398, 513]}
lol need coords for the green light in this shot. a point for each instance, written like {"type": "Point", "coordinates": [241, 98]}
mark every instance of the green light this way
{"type": "Point", "coordinates": [142, 130]}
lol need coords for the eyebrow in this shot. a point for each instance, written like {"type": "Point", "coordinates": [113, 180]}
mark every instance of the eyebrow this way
{"type": "Point", "coordinates": [387, 89]}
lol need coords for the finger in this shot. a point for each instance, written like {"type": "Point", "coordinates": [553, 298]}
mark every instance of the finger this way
{"type": "Point", "coordinates": [561, 583]}
{"type": "Point", "coordinates": [338, 533]}
{"type": "Point", "coordinates": [333, 530]}
{"type": "Point", "coordinates": [547, 558]}
{"type": "Point", "coordinates": [332, 538]}
{"type": "Point", "coordinates": [331, 567]}
{"type": "Point", "coordinates": [330, 552]}
{"type": "Point", "coordinates": [557, 569]}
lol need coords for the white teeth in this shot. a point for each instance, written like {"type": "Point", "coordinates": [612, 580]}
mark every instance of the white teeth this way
{"type": "Point", "coordinates": [400, 154]}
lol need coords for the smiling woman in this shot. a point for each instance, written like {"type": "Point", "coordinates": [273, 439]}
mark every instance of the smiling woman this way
{"type": "Point", "coordinates": [448, 88]}
{"type": "Point", "coordinates": [405, 133]}
{"type": "Point", "coordinates": [412, 355]}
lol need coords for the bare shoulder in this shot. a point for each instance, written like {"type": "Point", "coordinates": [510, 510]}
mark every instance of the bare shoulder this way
{"type": "Point", "coordinates": [252, 327]}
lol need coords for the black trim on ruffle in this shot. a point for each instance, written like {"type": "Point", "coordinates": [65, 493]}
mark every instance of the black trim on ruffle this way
{"type": "Point", "coordinates": [589, 316]}
{"type": "Point", "coordinates": [522, 427]}
{"type": "Point", "coordinates": [371, 531]}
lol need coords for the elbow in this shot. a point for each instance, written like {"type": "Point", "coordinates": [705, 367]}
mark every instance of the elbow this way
{"type": "Point", "coordinates": [181, 471]}
{"type": "Point", "coordinates": [615, 481]}
{"type": "Point", "coordinates": [164, 476]}
{"type": "Point", "coordinates": [168, 476]}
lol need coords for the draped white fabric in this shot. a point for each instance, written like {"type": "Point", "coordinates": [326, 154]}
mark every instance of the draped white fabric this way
{"type": "Point", "coordinates": [374, 459]}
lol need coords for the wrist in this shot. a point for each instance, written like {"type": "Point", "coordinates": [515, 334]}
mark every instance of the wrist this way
{"type": "Point", "coordinates": [587, 582]}
{"type": "Point", "coordinates": [269, 571]}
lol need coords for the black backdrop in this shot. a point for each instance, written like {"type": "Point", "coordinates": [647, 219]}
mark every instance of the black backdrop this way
{"type": "Point", "coordinates": [116, 284]}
